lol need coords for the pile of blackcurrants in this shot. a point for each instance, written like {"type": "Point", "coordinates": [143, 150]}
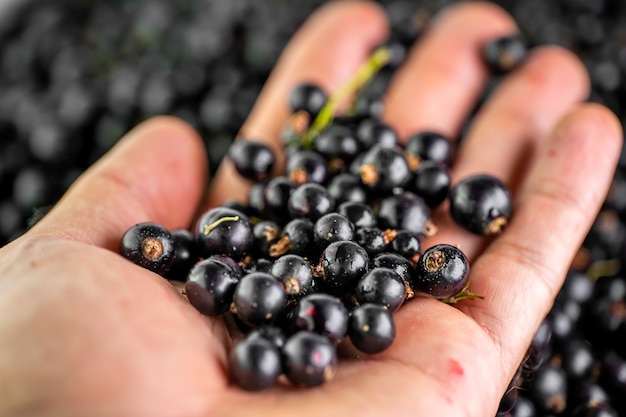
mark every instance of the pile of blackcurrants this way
{"type": "Point", "coordinates": [326, 252]}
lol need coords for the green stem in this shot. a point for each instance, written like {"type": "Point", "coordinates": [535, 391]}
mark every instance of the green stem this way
{"type": "Point", "coordinates": [209, 228]}
{"type": "Point", "coordinates": [379, 58]}
{"type": "Point", "coordinates": [464, 294]}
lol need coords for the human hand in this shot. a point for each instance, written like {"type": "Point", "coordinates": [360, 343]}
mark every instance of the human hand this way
{"type": "Point", "coordinates": [87, 333]}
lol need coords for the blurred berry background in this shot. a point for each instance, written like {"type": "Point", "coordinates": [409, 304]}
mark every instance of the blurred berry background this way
{"type": "Point", "coordinates": [75, 75]}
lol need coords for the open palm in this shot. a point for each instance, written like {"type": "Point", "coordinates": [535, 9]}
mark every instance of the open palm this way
{"type": "Point", "coordinates": [85, 332]}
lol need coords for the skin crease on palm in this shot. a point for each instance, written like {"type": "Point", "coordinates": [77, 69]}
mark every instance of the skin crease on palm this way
{"type": "Point", "coordinates": [85, 332]}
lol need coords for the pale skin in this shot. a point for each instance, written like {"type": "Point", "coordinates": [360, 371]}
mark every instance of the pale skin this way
{"type": "Point", "coordinates": [85, 332]}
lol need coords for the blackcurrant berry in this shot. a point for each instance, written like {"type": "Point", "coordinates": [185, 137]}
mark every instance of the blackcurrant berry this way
{"type": "Point", "coordinates": [506, 53]}
{"type": "Point", "coordinates": [342, 265]}
{"type": "Point", "coordinates": [323, 314]}
{"type": "Point", "coordinates": [225, 232]}
{"type": "Point", "coordinates": [310, 200]}
{"type": "Point", "coordinates": [405, 211]}
{"type": "Point", "coordinates": [481, 204]}
{"type": "Point", "coordinates": [373, 132]}
{"type": "Point", "coordinates": [150, 246]}
{"type": "Point", "coordinates": [360, 214]}
{"type": "Point", "coordinates": [308, 98]}
{"type": "Point", "coordinates": [211, 284]}
{"type": "Point", "coordinates": [309, 359]}
{"type": "Point", "coordinates": [384, 169]}
{"type": "Point", "coordinates": [371, 328]}
{"type": "Point", "coordinates": [259, 299]}
{"type": "Point", "coordinates": [306, 166]}
{"type": "Point", "coordinates": [252, 160]}
{"type": "Point", "coordinates": [332, 227]}
{"type": "Point", "coordinates": [431, 182]}
{"type": "Point", "coordinates": [185, 255]}
{"type": "Point", "coordinates": [381, 286]}
{"type": "Point", "coordinates": [255, 363]}
{"type": "Point", "coordinates": [442, 271]}
{"type": "Point", "coordinates": [428, 146]}
{"type": "Point", "coordinates": [296, 237]}
{"type": "Point", "coordinates": [295, 273]}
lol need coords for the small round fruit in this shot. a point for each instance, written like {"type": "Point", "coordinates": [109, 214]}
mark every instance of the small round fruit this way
{"type": "Point", "coordinates": [343, 264]}
{"type": "Point", "coordinates": [185, 255]}
{"type": "Point", "coordinates": [481, 204]}
{"type": "Point", "coordinates": [309, 359]}
{"type": "Point", "coordinates": [255, 364]}
{"type": "Point", "coordinates": [429, 146]}
{"type": "Point", "coordinates": [381, 286]}
{"type": "Point", "coordinates": [252, 160]}
{"type": "Point", "coordinates": [323, 314]}
{"type": "Point", "coordinates": [211, 284]}
{"type": "Point", "coordinates": [150, 246]}
{"type": "Point", "coordinates": [506, 53]}
{"type": "Point", "coordinates": [371, 328]}
{"type": "Point", "coordinates": [332, 227]}
{"type": "Point", "coordinates": [442, 271]}
{"type": "Point", "coordinates": [310, 200]}
{"type": "Point", "coordinates": [223, 231]}
{"type": "Point", "coordinates": [259, 299]}
{"type": "Point", "coordinates": [295, 273]}
{"type": "Point", "coordinates": [307, 97]}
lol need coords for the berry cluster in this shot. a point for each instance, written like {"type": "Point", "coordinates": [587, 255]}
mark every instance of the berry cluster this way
{"type": "Point", "coordinates": [327, 250]}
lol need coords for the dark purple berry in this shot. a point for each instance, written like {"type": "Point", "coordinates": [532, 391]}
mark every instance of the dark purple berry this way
{"type": "Point", "coordinates": [259, 299]}
{"type": "Point", "coordinates": [276, 198]}
{"type": "Point", "coordinates": [405, 211]}
{"type": "Point", "coordinates": [306, 166]}
{"type": "Point", "coordinates": [332, 227]}
{"type": "Point", "coordinates": [222, 231]}
{"type": "Point", "coordinates": [431, 182]}
{"type": "Point", "coordinates": [252, 160]}
{"type": "Point", "coordinates": [371, 328]}
{"type": "Point", "coordinates": [310, 200]}
{"type": "Point", "coordinates": [360, 214]}
{"type": "Point", "coordinates": [323, 314]}
{"type": "Point", "coordinates": [372, 239]}
{"type": "Point", "coordinates": [150, 246]}
{"type": "Point", "coordinates": [211, 284]}
{"type": "Point", "coordinates": [407, 244]}
{"type": "Point", "coordinates": [266, 233]}
{"type": "Point", "coordinates": [342, 265]}
{"type": "Point", "coordinates": [384, 169]}
{"type": "Point", "coordinates": [296, 237]}
{"type": "Point", "coordinates": [255, 364]}
{"type": "Point", "coordinates": [185, 255]}
{"type": "Point", "coordinates": [401, 266]}
{"type": "Point", "coordinates": [347, 187]}
{"type": "Point", "coordinates": [442, 271]}
{"type": "Point", "coordinates": [506, 53]}
{"type": "Point", "coordinates": [548, 389]}
{"type": "Point", "coordinates": [381, 286]}
{"type": "Point", "coordinates": [481, 204]}
{"type": "Point", "coordinates": [338, 144]}
{"type": "Point", "coordinates": [274, 334]}
{"type": "Point", "coordinates": [309, 359]}
{"type": "Point", "coordinates": [373, 132]}
{"type": "Point", "coordinates": [308, 98]}
{"type": "Point", "coordinates": [428, 146]}
{"type": "Point", "coordinates": [295, 273]}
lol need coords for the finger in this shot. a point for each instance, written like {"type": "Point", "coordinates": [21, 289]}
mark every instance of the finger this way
{"type": "Point", "coordinates": [155, 173]}
{"type": "Point", "coordinates": [444, 74]}
{"type": "Point", "coordinates": [327, 51]}
{"type": "Point", "coordinates": [512, 126]}
{"type": "Point", "coordinates": [521, 273]}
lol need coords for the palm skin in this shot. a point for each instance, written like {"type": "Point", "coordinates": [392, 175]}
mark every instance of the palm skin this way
{"type": "Point", "coordinates": [85, 332]}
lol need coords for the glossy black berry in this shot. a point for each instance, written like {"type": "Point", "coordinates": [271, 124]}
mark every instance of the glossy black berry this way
{"type": "Point", "coordinates": [309, 359]}
{"type": "Point", "coordinates": [504, 54]}
{"type": "Point", "coordinates": [360, 214]}
{"type": "Point", "coordinates": [276, 196]}
{"type": "Point", "coordinates": [266, 233]}
{"type": "Point", "coordinates": [150, 246]}
{"type": "Point", "coordinates": [429, 146]}
{"type": "Point", "coordinates": [308, 98]}
{"type": "Point", "coordinates": [481, 204]}
{"type": "Point", "coordinates": [338, 144]}
{"type": "Point", "coordinates": [253, 160]}
{"type": "Point", "coordinates": [211, 284]}
{"type": "Point", "coordinates": [442, 271]}
{"type": "Point", "coordinates": [407, 244]}
{"type": "Point", "coordinates": [332, 227]}
{"type": "Point", "coordinates": [306, 166]}
{"type": "Point", "coordinates": [373, 132]}
{"type": "Point", "coordinates": [310, 200]}
{"type": "Point", "coordinates": [405, 211]}
{"type": "Point", "coordinates": [381, 286]}
{"type": "Point", "coordinates": [185, 255]}
{"type": "Point", "coordinates": [255, 364]}
{"type": "Point", "coordinates": [295, 273]}
{"type": "Point", "coordinates": [274, 334]}
{"type": "Point", "coordinates": [384, 169]}
{"type": "Point", "coordinates": [259, 299]}
{"type": "Point", "coordinates": [372, 239]}
{"type": "Point", "coordinates": [347, 187]}
{"type": "Point", "coordinates": [323, 314]}
{"type": "Point", "coordinates": [342, 265]}
{"type": "Point", "coordinates": [371, 328]}
{"type": "Point", "coordinates": [431, 181]}
{"type": "Point", "coordinates": [296, 237]}
{"type": "Point", "coordinates": [223, 231]}
{"type": "Point", "coordinates": [400, 265]}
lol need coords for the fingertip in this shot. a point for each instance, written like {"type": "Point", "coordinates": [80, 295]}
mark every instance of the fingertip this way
{"type": "Point", "coordinates": [494, 19]}
{"type": "Point", "coordinates": [596, 122]}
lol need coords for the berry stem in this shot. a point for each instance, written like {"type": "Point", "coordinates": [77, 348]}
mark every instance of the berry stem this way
{"type": "Point", "coordinates": [379, 58]}
{"type": "Point", "coordinates": [210, 227]}
{"type": "Point", "coordinates": [464, 294]}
